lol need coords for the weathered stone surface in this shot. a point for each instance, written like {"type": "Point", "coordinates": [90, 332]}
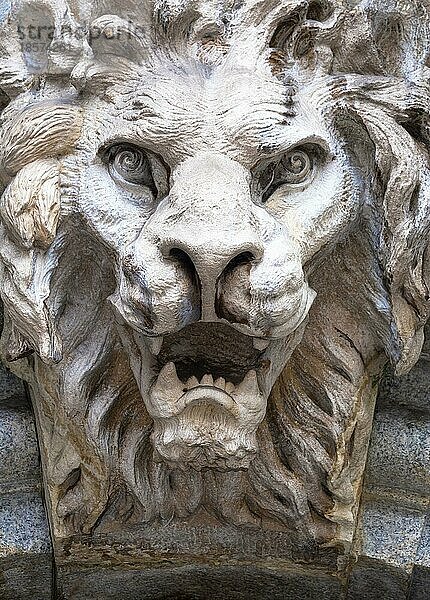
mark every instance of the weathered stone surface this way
{"type": "Point", "coordinates": [374, 580]}
{"type": "Point", "coordinates": [392, 540]}
{"type": "Point", "coordinates": [420, 581]}
{"type": "Point", "coordinates": [423, 555]}
{"type": "Point", "coordinates": [25, 546]}
{"type": "Point", "coordinates": [412, 390]}
{"type": "Point", "coordinates": [23, 524]}
{"type": "Point", "coordinates": [11, 387]}
{"type": "Point", "coordinates": [4, 9]}
{"type": "Point", "coordinates": [19, 458]}
{"type": "Point", "coordinates": [399, 458]}
{"type": "Point", "coordinates": [391, 532]}
{"type": "Point", "coordinates": [26, 577]}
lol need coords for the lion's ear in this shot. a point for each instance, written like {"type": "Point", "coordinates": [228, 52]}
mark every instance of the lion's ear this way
{"type": "Point", "coordinates": [404, 234]}
{"type": "Point", "coordinates": [30, 206]}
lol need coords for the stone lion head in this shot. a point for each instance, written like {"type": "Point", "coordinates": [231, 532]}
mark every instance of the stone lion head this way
{"type": "Point", "coordinates": [214, 234]}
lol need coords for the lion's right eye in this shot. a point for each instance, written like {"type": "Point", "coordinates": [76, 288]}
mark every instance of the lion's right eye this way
{"type": "Point", "coordinates": [139, 171]}
{"type": "Point", "coordinates": [132, 165]}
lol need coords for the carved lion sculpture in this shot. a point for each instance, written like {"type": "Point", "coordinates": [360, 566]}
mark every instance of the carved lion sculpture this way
{"type": "Point", "coordinates": [214, 234]}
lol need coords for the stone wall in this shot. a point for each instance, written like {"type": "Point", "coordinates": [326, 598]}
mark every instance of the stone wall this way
{"type": "Point", "coordinates": [25, 548]}
{"type": "Point", "coordinates": [394, 534]}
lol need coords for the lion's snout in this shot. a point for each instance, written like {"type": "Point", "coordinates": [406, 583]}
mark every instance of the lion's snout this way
{"type": "Point", "coordinates": [210, 253]}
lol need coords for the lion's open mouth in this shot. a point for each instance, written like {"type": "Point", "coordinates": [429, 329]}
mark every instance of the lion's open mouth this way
{"type": "Point", "coordinates": [210, 350]}
{"type": "Point", "coordinates": [208, 364]}
{"type": "Point", "coordinates": [205, 397]}
{"type": "Point", "coordinates": [206, 389]}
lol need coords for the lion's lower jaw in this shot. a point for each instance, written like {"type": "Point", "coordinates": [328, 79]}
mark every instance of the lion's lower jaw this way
{"type": "Point", "coordinates": [210, 424]}
{"type": "Point", "coordinates": [184, 444]}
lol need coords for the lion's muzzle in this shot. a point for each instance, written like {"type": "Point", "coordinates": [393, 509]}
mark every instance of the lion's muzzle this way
{"type": "Point", "coordinates": [221, 282]}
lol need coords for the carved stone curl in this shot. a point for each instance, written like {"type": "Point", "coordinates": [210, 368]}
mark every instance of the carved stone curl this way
{"type": "Point", "coordinates": [215, 226]}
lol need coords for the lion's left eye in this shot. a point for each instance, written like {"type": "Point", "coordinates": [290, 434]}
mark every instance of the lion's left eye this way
{"type": "Point", "coordinates": [295, 168]}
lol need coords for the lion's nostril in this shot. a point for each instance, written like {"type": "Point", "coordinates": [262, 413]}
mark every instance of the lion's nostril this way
{"type": "Point", "coordinates": [183, 258]}
{"type": "Point", "coordinates": [232, 297]}
{"type": "Point", "coordinates": [180, 255]}
{"type": "Point", "coordinates": [189, 270]}
{"type": "Point", "coordinates": [241, 259]}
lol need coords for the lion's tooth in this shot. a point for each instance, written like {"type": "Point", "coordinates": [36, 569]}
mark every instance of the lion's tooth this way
{"type": "Point", "coordinates": [260, 343]}
{"type": "Point", "coordinates": [248, 396]}
{"type": "Point", "coordinates": [207, 380]}
{"type": "Point", "coordinates": [192, 382]}
{"type": "Point", "coordinates": [220, 383]}
{"type": "Point", "coordinates": [154, 344]}
{"type": "Point", "coordinates": [166, 391]}
{"type": "Point", "coordinates": [229, 387]}
{"type": "Point", "coordinates": [169, 377]}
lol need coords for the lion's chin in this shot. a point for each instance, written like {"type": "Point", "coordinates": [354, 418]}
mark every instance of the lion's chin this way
{"type": "Point", "coordinates": [206, 424]}
{"type": "Point", "coordinates": [203, 436]}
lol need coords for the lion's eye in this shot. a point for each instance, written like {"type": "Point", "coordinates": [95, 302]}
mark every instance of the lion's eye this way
{"type": "Point", "coordinates": [141, 172]}
{"type": "Point", "coordinates": [294, 168]}
{"type": "Point", "coordinates": [131, 164]}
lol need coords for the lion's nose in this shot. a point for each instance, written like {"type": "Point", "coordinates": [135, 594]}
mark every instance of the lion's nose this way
{"type": "Point", "coordinates": [210, 262]}
{"type": "Point", "coordinates": [198, 246]}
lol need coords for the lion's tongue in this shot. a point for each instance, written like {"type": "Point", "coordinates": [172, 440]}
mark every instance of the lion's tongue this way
{"type": "Point", "coordinates": [169, 396]}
